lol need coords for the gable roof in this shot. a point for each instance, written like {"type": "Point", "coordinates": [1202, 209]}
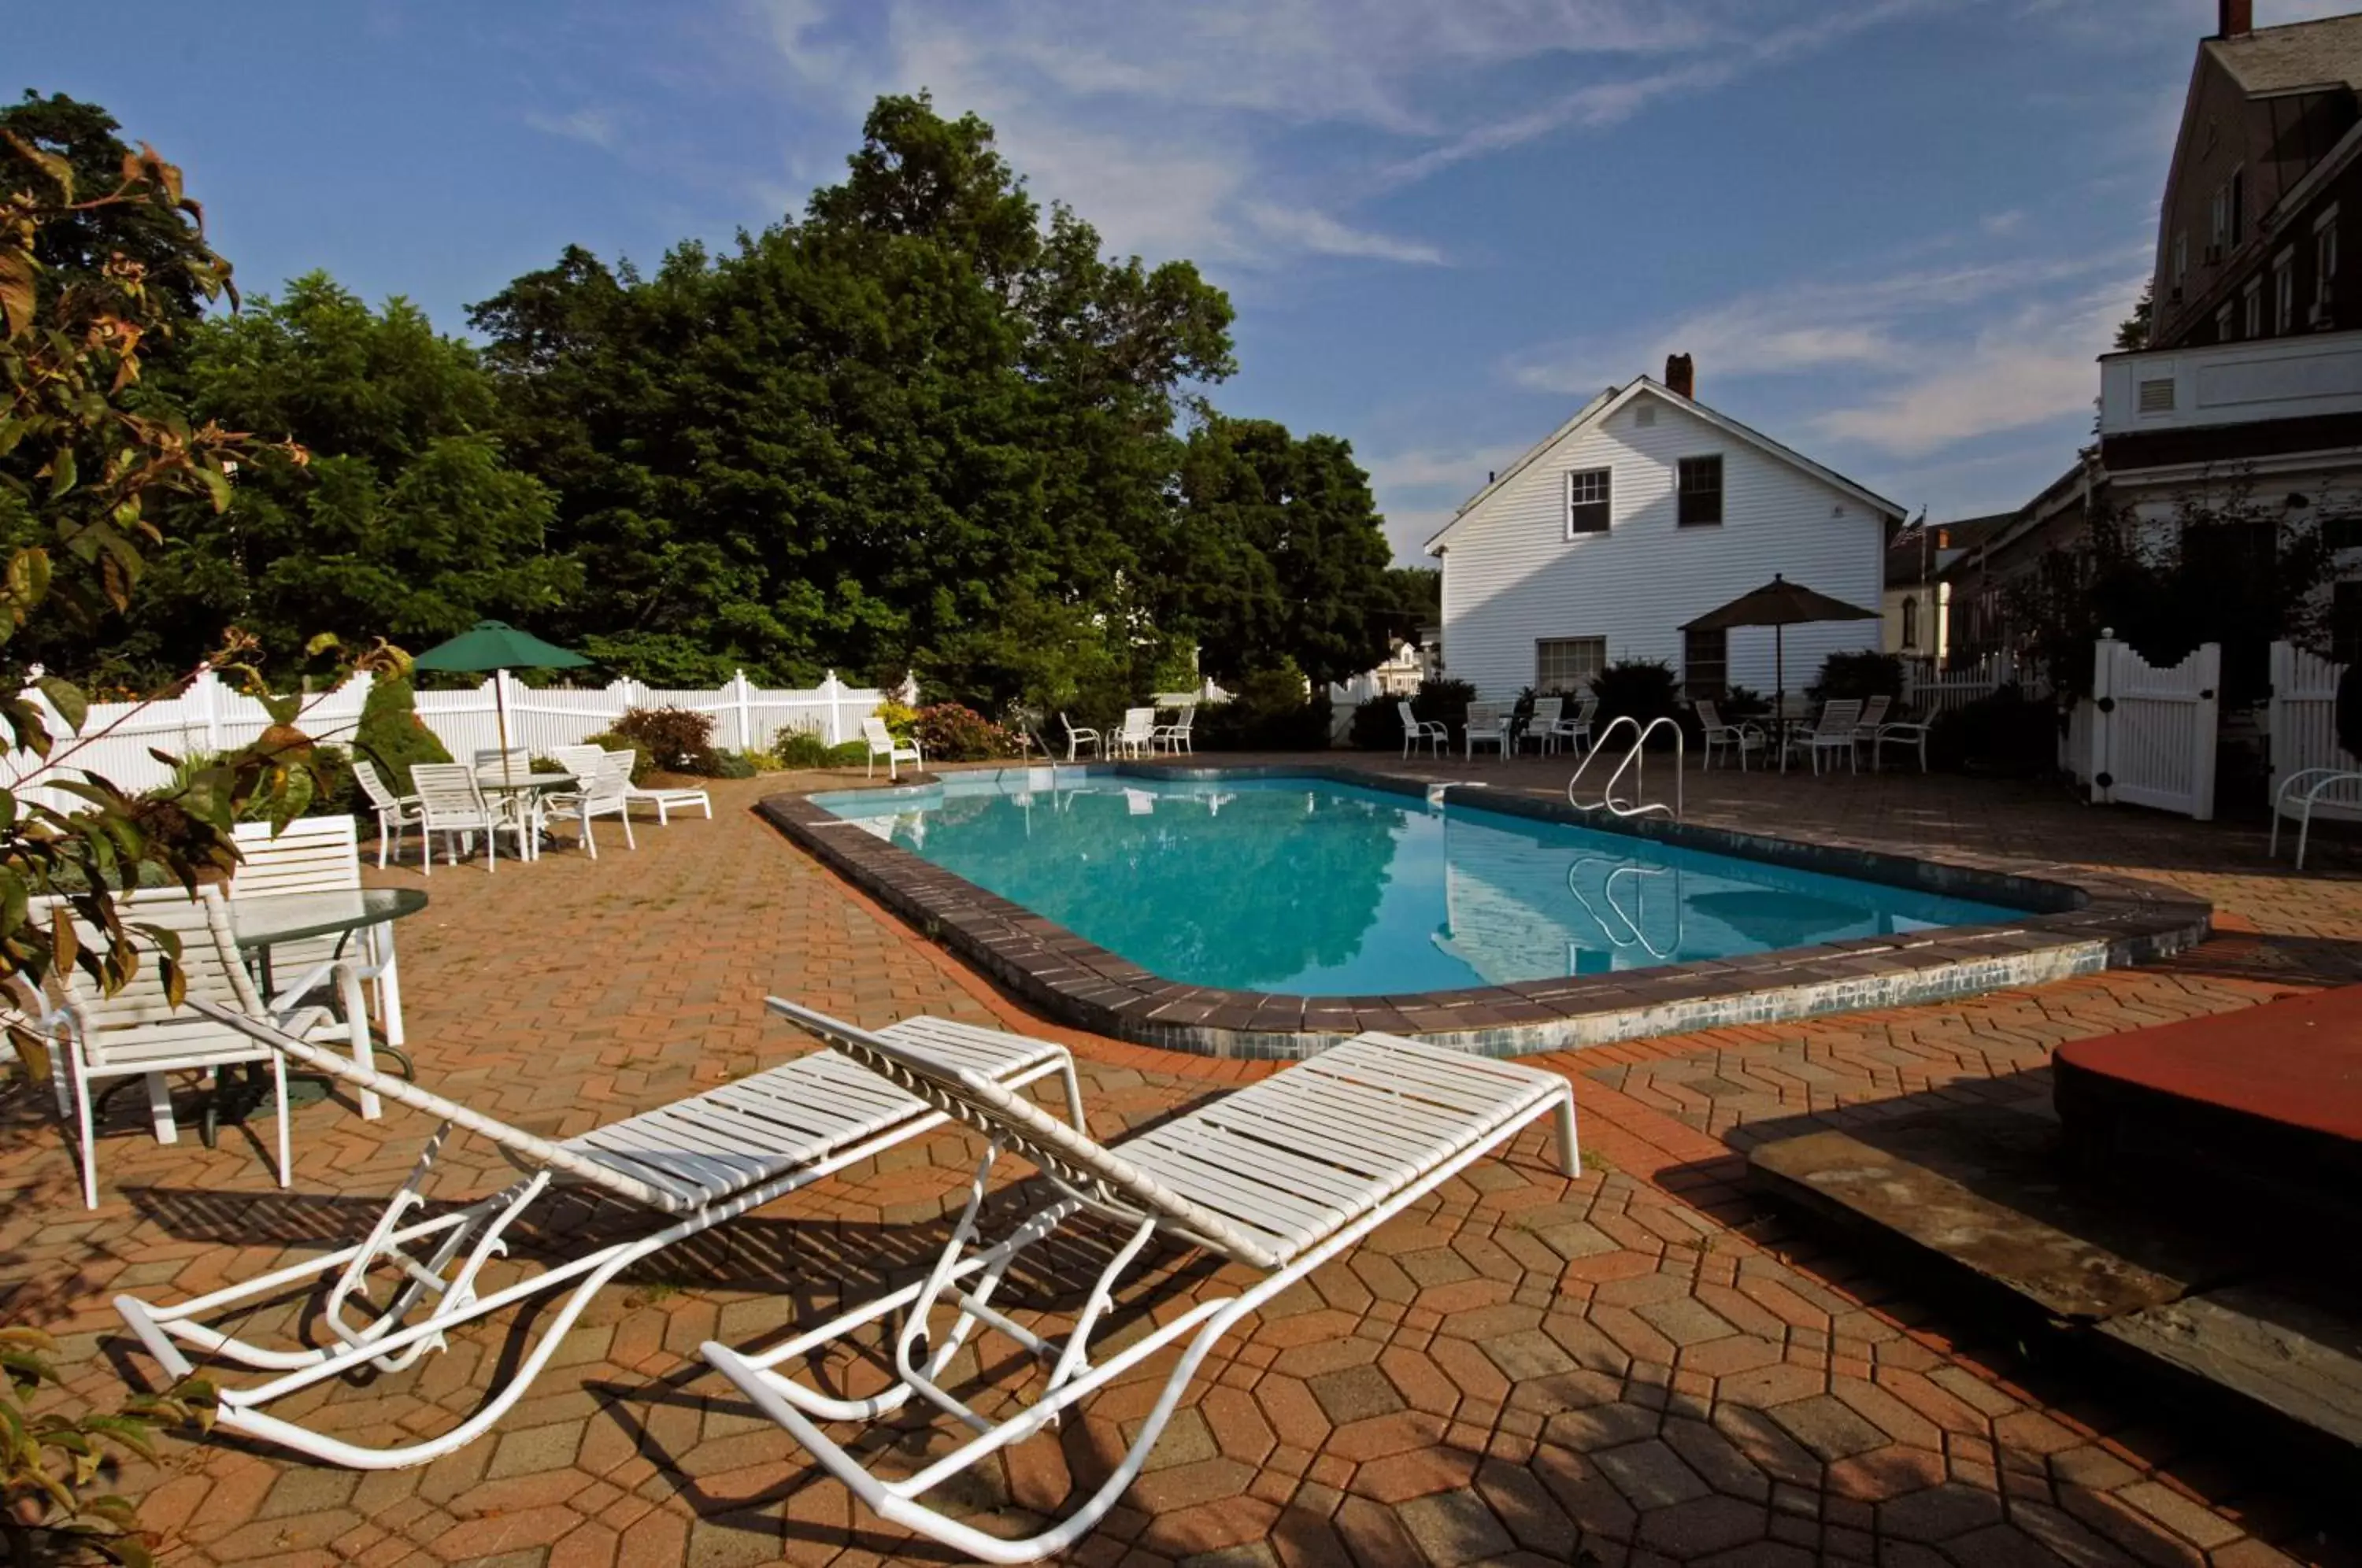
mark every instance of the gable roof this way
{"type": "Point", "coordinates": [1614, 398]}
{"type": "Point", "coordinates": [2318, 55]}
{"type": "Point", "coordinates": [1923, 550]}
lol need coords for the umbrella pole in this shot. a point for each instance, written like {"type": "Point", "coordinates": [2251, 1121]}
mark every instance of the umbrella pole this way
{"type": "Point", "coordinates": [1779, 692]}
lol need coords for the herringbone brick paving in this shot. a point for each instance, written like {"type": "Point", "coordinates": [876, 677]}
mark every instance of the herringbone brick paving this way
{"type": "Point", "coordinates": [1640, 1367]}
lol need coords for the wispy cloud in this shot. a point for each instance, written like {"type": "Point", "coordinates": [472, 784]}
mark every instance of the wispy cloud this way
{"type": "Point", "coordinates": [595, 126]}
{"type": "Point", "coordinates": [1307, 229]}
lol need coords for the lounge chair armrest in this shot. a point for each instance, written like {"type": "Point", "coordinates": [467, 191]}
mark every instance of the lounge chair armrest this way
{"type": "Point", "coordinates": [1902, 727]}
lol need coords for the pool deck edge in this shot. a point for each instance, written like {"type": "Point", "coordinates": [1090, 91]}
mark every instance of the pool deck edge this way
{"type": "Point", "coordinates": [2079, 921]}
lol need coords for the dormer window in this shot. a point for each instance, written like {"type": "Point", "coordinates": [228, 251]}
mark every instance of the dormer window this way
{"type": "Point", "coordinates": [1586, 502]}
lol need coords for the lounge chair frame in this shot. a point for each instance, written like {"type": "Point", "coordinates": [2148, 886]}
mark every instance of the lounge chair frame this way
{"type": "Point", "coordinates": [443, 1257]}
{"type": "Point", "coordinates": [1283, 1245]}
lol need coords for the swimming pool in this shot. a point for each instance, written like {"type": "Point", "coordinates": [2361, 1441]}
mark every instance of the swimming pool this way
{"type": "Point", "coordinates": [1323, 889]}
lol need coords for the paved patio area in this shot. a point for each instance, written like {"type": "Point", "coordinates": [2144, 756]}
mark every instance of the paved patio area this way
{"type": "Point", "coordinates": [1643, 1366]}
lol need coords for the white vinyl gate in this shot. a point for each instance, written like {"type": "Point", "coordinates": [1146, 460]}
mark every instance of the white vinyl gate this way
{"type": "Point", "coordinates": [2152, 730]}
{"type": "Point", "coordinates": [2303, 717]}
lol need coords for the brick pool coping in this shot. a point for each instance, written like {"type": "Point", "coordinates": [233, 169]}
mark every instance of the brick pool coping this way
{"type": "Point", "coordinates": [2077, 921]}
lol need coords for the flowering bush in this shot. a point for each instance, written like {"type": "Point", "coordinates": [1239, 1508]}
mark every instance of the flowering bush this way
{"type": "Point", "coordinates": [950, 732]}
{"type": "Point", "coordinates": [898, 718]}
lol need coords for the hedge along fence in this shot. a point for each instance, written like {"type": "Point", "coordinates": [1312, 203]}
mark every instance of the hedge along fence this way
{"type": "Point", "coordinates": [118, 739]}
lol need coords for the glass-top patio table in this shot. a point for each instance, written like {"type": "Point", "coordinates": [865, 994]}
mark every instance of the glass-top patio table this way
{"type": "Point", "coordinates": [526, 790]}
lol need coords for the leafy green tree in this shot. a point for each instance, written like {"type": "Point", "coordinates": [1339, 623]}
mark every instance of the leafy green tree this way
{"type": "Point", "coordinates": [76, 246]}
{"type": "Point", "coordinates": [1280, 553]}
{"type": "Point", "coordinates": [408, 522]}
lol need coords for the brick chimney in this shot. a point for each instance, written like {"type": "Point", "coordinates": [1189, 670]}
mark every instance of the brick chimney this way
{"type": "Point", "coordinates": [2237, 18]}
{"type": "Point", "coordinates": [1681, 375]}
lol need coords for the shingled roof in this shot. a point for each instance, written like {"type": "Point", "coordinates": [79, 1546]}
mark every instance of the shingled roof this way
{"type": "Point", "coordinates": [2324, 53]}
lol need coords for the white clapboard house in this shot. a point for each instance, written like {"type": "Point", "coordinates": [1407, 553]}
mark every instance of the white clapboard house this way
{"type": "Point", "coordinates": [1645, 509]}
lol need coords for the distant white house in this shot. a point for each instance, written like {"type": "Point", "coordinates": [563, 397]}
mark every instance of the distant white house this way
{"type": "Point", "coordinates": [1645, 509]}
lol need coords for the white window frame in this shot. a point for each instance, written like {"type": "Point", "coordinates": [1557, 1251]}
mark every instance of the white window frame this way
{"type": "Point", "coordinates": [1606, 500]}
{"type": "Point", "coordinates": [1581, 680]}
{"type": "Point", "coordinates": [2224, 321]}
{"type": "Point", "coordinates": [2251, 299]}
{"type": "Point", "coordinates": [2181, 258]}
{"type": "Point", "coordinates": [2284, 292]}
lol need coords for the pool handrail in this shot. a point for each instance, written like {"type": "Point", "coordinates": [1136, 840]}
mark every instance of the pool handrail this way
{"type": "Point", "coordinates": [1640, 734]}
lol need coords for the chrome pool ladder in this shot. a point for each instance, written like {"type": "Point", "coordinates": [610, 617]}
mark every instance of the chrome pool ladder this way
{"type": "Point", "coordinates": [1634, 763]}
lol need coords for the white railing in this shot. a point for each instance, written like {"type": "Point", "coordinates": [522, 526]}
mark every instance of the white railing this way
{"type": "Point", "coordinates": [118, 740]}
{"type": "Point", "coordinates": [1929, 693]}
{"type": "Point", "coordinates": [1633, 763]}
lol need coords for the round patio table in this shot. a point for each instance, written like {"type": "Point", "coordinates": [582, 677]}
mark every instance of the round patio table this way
{"type": "Point", "coordinates": [526, 789]}
{"type": "Point", "coordinates": [260, 921]}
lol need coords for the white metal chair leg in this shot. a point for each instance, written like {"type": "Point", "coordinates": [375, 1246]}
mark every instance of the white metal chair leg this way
{"type": "Point", "coordinates": [160, 1109]}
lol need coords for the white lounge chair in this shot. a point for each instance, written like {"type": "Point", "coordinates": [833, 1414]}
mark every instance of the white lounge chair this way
{"type": "Point", "coordinates": [1839, 724]}
{"type": "Point", "coordinates": [1487, 724]}
{"type": "Point", "coordinates": [450, 803]}
{"type": "Point", "coordinates": [395, 812]}
{"type": "Point", "coordinates": [1080, 737]}
{"type": "Point", "coordinates": [1742, 738]}
{"type": "Point", "coordinates": [1433, 734]}
{"type": "Point", "coordinates": [883, 743]}
{"type": "Point", "coordinates": [687, 1167]}
{"type": "Point", "coordinates": [667, 798]}
{"type": "Point", "coordinates": [2333, 794]}
{"type": "Point", "coordinates": [137, 1031]}
{"type": "Point", "coordinates": [318, 855]}
{"type": "Point", "coordinates": [1277, 1179]}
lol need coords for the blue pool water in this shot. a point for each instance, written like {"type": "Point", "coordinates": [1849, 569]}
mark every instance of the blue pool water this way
{"type": "Point", "coordinates": [1305, 886]}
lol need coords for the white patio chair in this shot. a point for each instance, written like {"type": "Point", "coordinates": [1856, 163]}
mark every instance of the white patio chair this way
{"type": "Point", "coordinates": [517, 759]}
{"type": "Point", "coordinates": [1909, 734]}
{"type": "Point", "coordinates": [883, 743]}
{"type": "Point", "coordinates": [1080, 737]}
{"type": "Point", "coordinates": [138, 1032]}
{"type": "Point", "coordinates": [450, 803]}
{"type": "Point", "coordinates": [681, 1169]}
{"type": "Point", "coordinates": [1740, 737]}
{"type": "Point", "coordinates": [1873, 714]}
{"type": "Point", "coordinates": [1433, 734]}
{"type": "Point", "coordinates": [605, 791]}
{"type": "Point", "coordinates": [318, 855]}
{"type": "Point", "coordinates": [1487, 724]}
{"type": "Point", "coordinates": [1139, 729]}
{"type": "Point", "coordinates": [2333, 794]}
{"type": "Point", "coordinates": [1541, 725]}
{"type": "Point", "coordinates": [1576, 730]}
{"type": "Point", "coordinates": [1276, 1179]}
{"type": "Point", "coordinates": [582, 761]}
{"type": "Point", "coordinates": [1839, 724]}
{"type": "Point", "coordinates": [395, 812]}
{"type": "Point", "coordinates": [1175, 736]}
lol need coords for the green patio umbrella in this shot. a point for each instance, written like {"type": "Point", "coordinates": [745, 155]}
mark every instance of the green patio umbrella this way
{"type": "Point", "coordinates": [490, 647]}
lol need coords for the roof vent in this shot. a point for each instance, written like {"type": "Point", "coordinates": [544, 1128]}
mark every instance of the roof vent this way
{"type": "Point", "coordinates": [2156, 396]}
{"type": "Point", "coordinates": [1645, 414]}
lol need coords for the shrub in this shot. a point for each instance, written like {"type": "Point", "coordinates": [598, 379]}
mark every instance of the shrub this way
{"type": "Point", "coordinates": [1639, 688]}
{"type": "Point", "coordinates": [643, 760]}
{"type": "Point", "coordinates": [898, 717]}
{"type": "Point", "coordinates": [1270, 712]}
{"type": "Point", "coordinates": [946, 732]}
{"type": "Point", "coordinates": [2006, 733]}
{"type": "Point", "coordinates": [1443, 701]}
{"type": "Point", "coordinates": [1743, 703]}
{"type": "Point", "coordinates": [391, 736]}
{"type": "Point", "coordinates": [805, 747]}
{"type": "Point", "coordinates": [676, 740]}
{"type": "Point", "coordinates": [1856, 675]}
{"type": "Point", "coordinates": [734, 765]}
{"type": "Point", "coordinates": [1377, 726]}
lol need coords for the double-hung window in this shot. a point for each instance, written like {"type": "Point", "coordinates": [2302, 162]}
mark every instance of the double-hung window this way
{"type": "Point", "coordinates": [1706, 664]}
{"type": "Point", "coordinates": [2324, 267]}
{"type": "Point", "coordinates": [1698, 482]}
{"type": "Point", "coordinates": [2284, 292]}
{"type": "Point", "coordinates": [1586, 502]}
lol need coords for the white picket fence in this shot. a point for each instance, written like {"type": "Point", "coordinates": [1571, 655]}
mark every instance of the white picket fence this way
{"type": "Point", "coordinates": [2303, 718]}
{"type": "Point", "coordinates": [118, 740]}
{"type": "Point", "coordinates": [2146, 735]}
{"type": "Point", "coordinates": [1927, 691]}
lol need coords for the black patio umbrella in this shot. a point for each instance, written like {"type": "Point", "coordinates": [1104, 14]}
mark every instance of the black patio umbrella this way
{"type": "Point", "coordinates": [1779, 604]}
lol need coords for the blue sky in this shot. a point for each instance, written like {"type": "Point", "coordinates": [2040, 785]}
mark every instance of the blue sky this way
{"type": "Point", "coordinates": [1894, 233]}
